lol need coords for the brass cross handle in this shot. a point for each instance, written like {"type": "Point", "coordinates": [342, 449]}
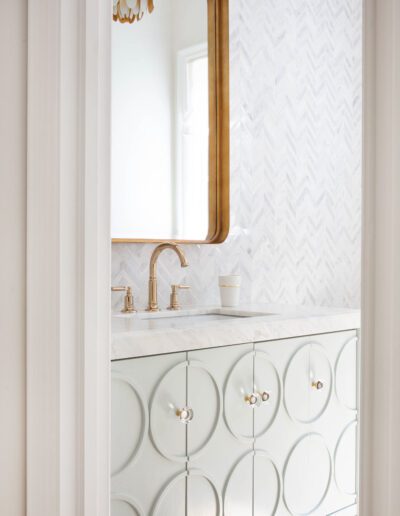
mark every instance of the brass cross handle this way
{"type": "Point", "coordinates": [174, 301]}
{"type": "Point", "coordinates": [129, 306]}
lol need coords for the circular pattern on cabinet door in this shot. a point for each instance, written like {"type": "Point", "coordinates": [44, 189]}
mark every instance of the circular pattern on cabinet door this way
{"type": "Point", "coordinates": [204, 399]}
{"type": "Point", "coordinates": [185, 410]}
{"type": "Point", "coordinates": [169, 397]}
{"type": "Point", "coordinates": [267, 385]}
{"type": "Point", "coordinates": [238, 406]}
{"type": "Point", "coordinates": [346, 460]}
{"type": "Point", "coordinates": [308, 383]}
{"type": "Point", "coordinates": [190, 492]}
{"type": "Point", "coordinates": [253, 482]}
{"type": "Point", "coordinates": [129, 422]}
{"type": "Point", "coordinates": [307, 475]}
{"type": "Point", "coordinates": [346, 376]}
{"type": "Point", "coordinates": [122, 505]}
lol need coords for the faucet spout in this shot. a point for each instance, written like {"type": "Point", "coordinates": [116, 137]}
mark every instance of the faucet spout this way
{"type": "Point", "coordinates": [153, 291]}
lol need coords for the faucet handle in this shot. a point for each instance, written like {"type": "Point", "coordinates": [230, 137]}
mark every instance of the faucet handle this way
{"type": "Point", "coordinates": [129, 306]}
{"type": "Point", "coordinates": [174, 302]}
{"type": "Point", "coordinates": [176, 287]}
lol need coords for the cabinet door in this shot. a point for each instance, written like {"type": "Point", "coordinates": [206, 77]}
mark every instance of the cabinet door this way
{"type": "Point", "coordinates": [238, 398]}
{"type": "Point", "coordinates": [308, 383]}
{"type": "Point", "coordinates": [129, 422]}
{"type": "Point", "coordinates": [266, 479]}
{"type": "Point", "coordinates": [204, 400]}
{"type": "Point", "coordinates": [267, 387]}
{"type": "Point", "coordinates": [313, 438]}
{"type": "Point", "coordinates": [345, 377]}
{"type": "Point", "coordinates": [148, 443]}
{"type": "Point", "coordinates": [308, 387]}
{"type": "Point", "coordinates": [168, 402]}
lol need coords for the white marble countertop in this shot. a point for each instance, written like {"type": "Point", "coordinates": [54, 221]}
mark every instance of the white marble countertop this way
{"type": "Point", "coordinates": [130, 339]}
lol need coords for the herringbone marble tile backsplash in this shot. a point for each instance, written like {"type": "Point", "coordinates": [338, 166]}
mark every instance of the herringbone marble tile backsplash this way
{"type": "Point", "coordinates": [295, 163]}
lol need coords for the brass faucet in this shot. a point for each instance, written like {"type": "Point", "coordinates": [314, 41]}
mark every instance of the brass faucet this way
{"type": "Point", "coordinates": [153, 303]}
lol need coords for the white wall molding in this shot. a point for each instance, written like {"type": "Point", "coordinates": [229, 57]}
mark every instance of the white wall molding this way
{"type": "Point", "coordinates": [68, 258]}
{"type": "Point", "coordinates": [12, 257]}
{"type": "Point", "coordinates": [380, 444]}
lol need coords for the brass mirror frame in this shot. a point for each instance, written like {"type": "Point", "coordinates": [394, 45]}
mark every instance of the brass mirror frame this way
{"type": "Point", "coordinates": [219, 169]}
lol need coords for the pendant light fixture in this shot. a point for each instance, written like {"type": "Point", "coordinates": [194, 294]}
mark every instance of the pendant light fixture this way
{"type": "Point", "coordinates": [129, 11]}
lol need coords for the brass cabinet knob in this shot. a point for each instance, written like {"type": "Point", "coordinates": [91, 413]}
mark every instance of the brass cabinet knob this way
{"type": "Point", "coordinates": [185, 415]}
{"type": "Point", "coordinates": [318, 385]}
{"type": "Point", "coordinates": [265, 396]}
{"type": "Point", "coordinates": [252, 399]}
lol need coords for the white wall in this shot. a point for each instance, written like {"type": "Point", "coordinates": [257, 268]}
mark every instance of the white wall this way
{"type": "Point", "coordinates": [142, 89]}
{"type": "Point", "coordinates": [186, 33]}
{"type": "Point", "coordinates": [295, 163]}
{"type": "Point", "coordinates": [13, 53]}
{"type": "Point", "coordinates": [144, 121]}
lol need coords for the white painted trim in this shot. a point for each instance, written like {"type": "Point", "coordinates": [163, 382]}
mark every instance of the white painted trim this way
{"type": "Point", "coordinates": [380, 414]}
{"type": "Point", "coordinates": [183, 57]}
{"type": "Point", "coordinates": [68, 258]}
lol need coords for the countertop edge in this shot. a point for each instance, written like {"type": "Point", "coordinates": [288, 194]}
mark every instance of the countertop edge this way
{"type": "Point", "coordinates": [220, 334]}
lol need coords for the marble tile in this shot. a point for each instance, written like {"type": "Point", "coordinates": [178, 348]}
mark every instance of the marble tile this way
{"type": "Point", "coordinates": [295, 163]}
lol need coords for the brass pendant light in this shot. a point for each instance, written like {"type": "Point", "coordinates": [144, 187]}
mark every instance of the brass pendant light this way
{"type": "Point", "coordinates": [129, 11]}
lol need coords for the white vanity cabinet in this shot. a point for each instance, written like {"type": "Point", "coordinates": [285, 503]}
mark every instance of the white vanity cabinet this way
{"type": "Point", "coordinates": [313, 441]}
{"type": "Point", "coordinates": [245, 430]}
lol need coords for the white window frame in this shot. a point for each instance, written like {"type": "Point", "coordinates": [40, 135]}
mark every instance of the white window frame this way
{"type": "Point", "coordinates": [184, 56]}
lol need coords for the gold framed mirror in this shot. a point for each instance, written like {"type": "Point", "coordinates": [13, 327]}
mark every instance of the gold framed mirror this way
{"type": "Point", "coordinates": [170, 122]}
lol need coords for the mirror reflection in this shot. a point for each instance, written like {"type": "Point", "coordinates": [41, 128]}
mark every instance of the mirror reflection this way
{"type": "Point", "coordinates": [160, 121]}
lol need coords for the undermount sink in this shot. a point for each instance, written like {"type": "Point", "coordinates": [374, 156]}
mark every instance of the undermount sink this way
{"type": "Point", "coordinates": [178, 319]}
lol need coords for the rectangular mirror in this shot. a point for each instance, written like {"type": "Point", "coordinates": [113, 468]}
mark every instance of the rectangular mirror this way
{"type": "Point", "coordinates": [170, 121]}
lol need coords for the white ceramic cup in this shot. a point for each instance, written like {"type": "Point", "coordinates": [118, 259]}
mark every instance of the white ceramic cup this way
{"type": "Point", "coordinates": [229, 288]}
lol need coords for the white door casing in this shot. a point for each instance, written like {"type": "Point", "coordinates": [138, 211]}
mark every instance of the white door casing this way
{"type": "Point", "coordinates": [380, 380]}
{"type": "Point", "coordinates": [68, 258]}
